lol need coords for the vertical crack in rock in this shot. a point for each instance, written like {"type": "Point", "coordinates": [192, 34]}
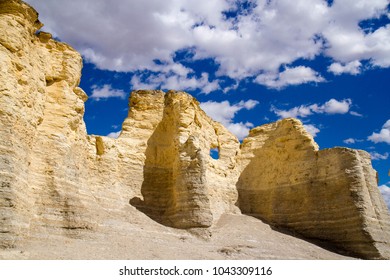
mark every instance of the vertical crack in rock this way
{"type": "Point", "coordinates": [99, 146]}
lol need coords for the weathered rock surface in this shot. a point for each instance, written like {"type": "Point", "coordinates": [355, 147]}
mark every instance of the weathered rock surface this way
{"type": "Point", "coordinates": [183, 186]}
{"type": "Point", "coordinates": [329, 195]}
{"type": "Point", "coordinates": [42, 132]}
{"type": "Point", "coordinates": [58, 182]}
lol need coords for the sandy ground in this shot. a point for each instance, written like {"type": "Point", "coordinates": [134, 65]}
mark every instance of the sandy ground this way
{"type": "Point", "coordinates": [233, 237]}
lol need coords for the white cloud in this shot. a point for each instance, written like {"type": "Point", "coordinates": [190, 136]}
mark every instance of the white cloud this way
{"type": "Point", "coordinates": [241, 130]}
{"type": "Point", "coordinates": [173, 76]}
{"type": "Point", "coordinates": [356, 114]}
{"type": "Point", "coordinates": [126, 36]}
{"type": "Point", "coordinates": [330, 107]}
{"type": "Point", "coordinates": [114, 134]}
{"type": "Point", "coordinates": [106, 91]}
{"type": "Point", "coordinates": [132, 34]}
{"type": "Point", "coordinates": [224, 112]}
{"type": "Point", "coordinates": [272, 34]}
{"type": "Point", "coordinates": [169, 81]}
{"type": "Point", "coordinates": [249, 104]}
{"type": "Point", "coordinates": [350, 141]}
{"type": "Point", "coordinates": [290, 76]}
{"type": "Point", "coordinates": [353, 67]}
{"type": "Point", "coordinates": [385, 191]}
{"type": "Point", "coordinates": [378, 156]}
{"type": "Point", "coordinates": [348, 42]}
{"type": "Point", "coordinates": [313, 130]}
{"type": "Point", "coordinates": [300, 111]}
{"type": "Point", "coordinates": [232, 87]}
{"type": "Point", "coordinates": [383, 135]}
{"type": "Point", "coordinates": [333, 106]}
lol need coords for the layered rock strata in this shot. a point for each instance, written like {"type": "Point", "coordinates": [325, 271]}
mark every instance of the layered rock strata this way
{"type": "Point", "coordinates": [183, 186]}
{"type": "Point", "coordinates": [55, 180]}
{"type": "Point", "coordinates": [330, 195]}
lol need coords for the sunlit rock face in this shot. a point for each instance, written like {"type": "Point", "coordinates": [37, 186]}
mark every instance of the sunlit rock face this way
{"type": "Point", "coordinates": [329, 195]}
{"type": "Point", "coordinates": [56, 181]}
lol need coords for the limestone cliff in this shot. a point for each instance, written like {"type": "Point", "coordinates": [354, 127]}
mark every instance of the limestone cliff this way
{"type": "Point", "coordinates": [55, 180]}
{"type": "Point", "coordinates": [329, 195]}
{"type": "Point", "coordinates": [182, 185]}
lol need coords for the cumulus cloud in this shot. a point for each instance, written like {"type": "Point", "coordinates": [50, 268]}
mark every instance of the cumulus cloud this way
{"type": "Point", "coordinates": [290, 76]}
{"type": "Point", "coordinates": [313, 130]}
{"type": "Point", "coordinates": [383, 135]}
{"type": "Point", "coordinates": [330, 107]}
{"type": "Point", "coordinates": [378, 156]}
{"type": "Point", "coordinates": [168, 80]}
{"type": "Point", "coordinates": [106, 91]}
{"type": "Point", "coordinates": [224, 112]}
{"type": "Point", "coordinates": [126, 36]}
{"type": "Point", "coordinates": [114, 134]}
{"type": "Point", "coordinates": [347, 42]}
{"type": "Point", "coordinates": [385, 191]}
{"type": "Point", "coordinates": [353, 67]}
{"type": "Point", "coordinates": [132, 34]}
{"type": "Point", "coordinates": [241, 130]}
{"type": "Point", "coordinates": [333, 106]}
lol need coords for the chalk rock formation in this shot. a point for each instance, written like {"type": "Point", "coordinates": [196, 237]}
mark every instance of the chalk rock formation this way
{"type": "Point", "coordinates": [329, 195]}
{"type": "Point", "coordinates": [43, 136]}
{"type": "Point", "coordinates": [55, 180]}
{"type": "Point", "coordinates": [56, 177]}
{"type": "Point", "coordinates": [183, 186]}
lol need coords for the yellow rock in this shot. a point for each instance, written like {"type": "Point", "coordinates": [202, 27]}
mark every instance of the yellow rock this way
{"type": "Point", "coordinates": [330, 195]}
{"type": "Point", "coordinates": [56, 181]}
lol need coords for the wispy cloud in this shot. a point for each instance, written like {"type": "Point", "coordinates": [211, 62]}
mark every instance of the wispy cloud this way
{"type": "Point", "coordinates": [349, 141]}
{"type": "Point", "coordinates": [356, 114]}
{"type": "Point", "coordinates": [330, 107]}
{"type": "Point", "coordinates": [378, 156]}
{"type": "Point", "coordinates": [106, 91]}
{"type": "Point", "coordinates": [352, 140]}
{"type": "Point", "coordinates": [114, 134]}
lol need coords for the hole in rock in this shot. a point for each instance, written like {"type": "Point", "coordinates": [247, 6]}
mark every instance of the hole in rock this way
{"type": "Point", "coordinates": [214, 152]}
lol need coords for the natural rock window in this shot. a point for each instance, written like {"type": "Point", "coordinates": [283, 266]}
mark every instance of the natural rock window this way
{"type": "Point", "coordinates": [214, 152]}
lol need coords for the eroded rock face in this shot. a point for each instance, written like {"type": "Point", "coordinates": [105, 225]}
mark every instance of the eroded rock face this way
{"type": "Point", "coordinates": [329, 195]}
{"type": "Point", "coordinates": [183, 186]}
{"type": "Point", "coordinates": [58, 178]}
{"type": "Point", "coordinates": [41, 129]}
{"type": "Point", "coordinates": [55, 180]}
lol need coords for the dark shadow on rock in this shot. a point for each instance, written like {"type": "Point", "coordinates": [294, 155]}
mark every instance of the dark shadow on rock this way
{"type": "Point", "coordinates": [158, 174]}
{"type": "Point", "coordinates": [139, 204]}
{"type": "Point", "coordinates": [269, 204]}
{"type": "Point", "coordinates": [324, 244]}
{"type": "Point", "coordinates": [174, 188]}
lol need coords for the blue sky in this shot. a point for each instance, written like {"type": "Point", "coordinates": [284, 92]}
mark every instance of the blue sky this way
{"type": "Point", "coordinates": [247, 62]}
